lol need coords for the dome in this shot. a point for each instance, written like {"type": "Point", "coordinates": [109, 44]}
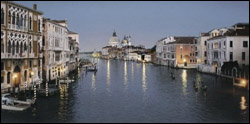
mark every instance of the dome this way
{"type": "Point", "coordinates": [114, 40]}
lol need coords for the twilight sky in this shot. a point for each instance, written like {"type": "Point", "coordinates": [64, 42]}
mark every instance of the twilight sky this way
{"type": "Point", "coordinates": [146, 21]}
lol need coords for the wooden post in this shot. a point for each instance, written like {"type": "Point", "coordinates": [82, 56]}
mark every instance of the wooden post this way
{"type": "Point", "coordinates": [47, 89]}
{"type": "Point", "coordinates": [35, 91]}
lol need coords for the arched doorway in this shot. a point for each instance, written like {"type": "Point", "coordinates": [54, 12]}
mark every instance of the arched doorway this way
{"type": "Point", "coordinates": [17, 76]}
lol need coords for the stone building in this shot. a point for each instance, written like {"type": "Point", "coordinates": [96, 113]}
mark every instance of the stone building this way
{"type": "Point", "coordinates": [21, 38]}
{"type": "Point", "coordinates": [56, 49]}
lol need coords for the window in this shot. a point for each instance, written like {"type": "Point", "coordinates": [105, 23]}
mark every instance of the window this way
{"type": "Point", "coordinates": [2, 16]}
{"type": "Point", "coordinates": [243, 56]}
{"type": "Point", "coordinates": [24, 22]}
{"type": "Point", "coordinates": [2, 79]}
{"type": "Point", "coordinates": [30, 47]}
{"type": "Point", "coordinates": [205, 43]}
{"type": "Point", "coordinates": [25, 75]}
{"type": "Point", "coordinates": [181, 56]}
{"type": "Point", "coordinates": [9, 47]}
{"type": "Point", "coordinates": [21, 47]}
{"type": "Point", "coordinates": [2, 46]}
{"type": "Point", "coordinates": [13, 48]}
{"type": "Point", "coordinates": [245, 44]}
{"type": "Point", "coordinates": [25, 47]}
{"type": "Point", "coordinates": [30, 64]}
{"type": "Point", "coordinates": [30, 23]}
{"type": "Point", "coordinates": [13, 18]}
{"type": "Point", "coordinates": [231, 43]}
{"type": "Point", "coordinates": [18, 21]}
{"type": "Point", "coordinates": [17, 47]}
{"type": "Point", "coordinates": [39, 23]}
{"type": "Point", "coordinates": [8, 78]}
{"type": "Point", "coordinates": [2, 66]}
{"type": "Point", "coordinates": [205, 53]}
{"type": "Point", "coordinates": [231, 56]}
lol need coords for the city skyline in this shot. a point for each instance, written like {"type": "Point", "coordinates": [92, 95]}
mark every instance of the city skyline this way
{"type": "Point", "coordinates": [146, 22]}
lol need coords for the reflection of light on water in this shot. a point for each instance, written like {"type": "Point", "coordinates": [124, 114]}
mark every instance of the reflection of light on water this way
{"type": "Point", "coordinates": [243, 103]}
{"type": "Point", "coordinates": [63, 103]}
{"type": "Point", "coordinates": [125, 75]}
{"type": "Point", "coordinates": [184, 81]}
{"type": "Point", "coordinates": [144, 83]}
{"type": "Point", "coordinates": [93, 82]}
{"type": "Point", "coordinates": [132, 70]}
{"type": "Point", "coordinates": [108, 73]}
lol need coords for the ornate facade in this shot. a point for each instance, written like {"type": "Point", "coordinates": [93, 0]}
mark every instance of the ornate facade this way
{"type": "Point", "coordinates": [21, 38]}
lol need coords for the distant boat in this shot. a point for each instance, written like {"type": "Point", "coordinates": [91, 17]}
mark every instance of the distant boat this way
{"type": "Point", "coordinates": [92, 68]}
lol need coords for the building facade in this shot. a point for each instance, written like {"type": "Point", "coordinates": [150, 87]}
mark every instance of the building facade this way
{"type": "Point", "coordinates": [74, 50]}
{"type": "Point", "coordinates": [56, 49]}
{"type": "Point", "coordinates": [231, 46]}
{"type": "Point", "coordinates": [21, 38]}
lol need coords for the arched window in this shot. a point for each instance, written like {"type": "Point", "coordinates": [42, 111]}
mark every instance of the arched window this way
{"type": "Point", "coordinates": [17, 47]}
{"type": "Point", "coordinates": [21, 21]}
{"type": "Point", "coordinates": [24, 22]}
{"type": "Point", "coordinates": [18, 21]}
{"type": "Point", "coordinates": [30, 23]}
{"type": "Point", "coordinates": [21, 48]}
{"type": "Point", "coordinates": [25, 47]}
{"type": "Point", "coordinates": [13, 18]}
{"type": "Point", "coordinates": [43, 41]}
{"type": "Point", "coordinates": [13, 48]}
{"type": "Point", "coordinates": [8, 78]}
{"type": "Point", "coordinates": [25, 75]}
{"type": "Point", "coordinates": [9, 47]}
{"type": "Point", "coordinates": [2, 16]}
{"type": "Point", "coordinates": [30, 47]}
{"type": "Point", "coordinates": [39, 23]}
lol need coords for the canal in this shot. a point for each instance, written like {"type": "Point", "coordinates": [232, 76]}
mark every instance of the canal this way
{"type": "Point", "coordinates": [123, 91]}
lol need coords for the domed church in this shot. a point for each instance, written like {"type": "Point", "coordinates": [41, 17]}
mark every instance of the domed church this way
{"type": "Point", "coordinates": [114, 40]}
{"type": "Point", "coordinates": [126, 41]}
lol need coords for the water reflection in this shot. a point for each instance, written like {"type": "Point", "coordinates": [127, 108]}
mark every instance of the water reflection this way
{"type": "Point", "coordinates": [144, 83]}
{"type": "Point", "coordinates": [132, 70]}
{"type": "Point", "coordinates": [63, 103]}
{"type": "Point", "coordinates": [108, 76]}
{"type": "Point", "coordinates": [184, 81]}
{"type": "Point", "coordinates": [125, 75]}
{"type": "Point", "coordinates": [93, 82]}
{"type": "Point", "coordinates": [243, 103]}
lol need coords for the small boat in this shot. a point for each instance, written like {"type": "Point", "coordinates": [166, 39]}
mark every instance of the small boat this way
{"type": "Point", "coordinates": [92, 68]}
{"type": "Point", "coordinates": [204, 87]}
{"type": "Point", "coordinates": [14, 105]}
{"type": "Point", "coordinates": [173, 77]}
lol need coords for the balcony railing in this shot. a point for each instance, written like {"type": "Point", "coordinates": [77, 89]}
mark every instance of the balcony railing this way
{"type": "Point", "coordinates": [15, 56]}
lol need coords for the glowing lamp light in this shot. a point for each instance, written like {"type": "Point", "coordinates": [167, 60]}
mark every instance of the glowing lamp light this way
{"type": "Point", "coordinates": [243, 82]}
{"type": "Point", "coordinates": [15, 75]}
{"type": "Point", "coordinates": [185, 60]}
{"type": "Point", "coordinates": [32, 73]}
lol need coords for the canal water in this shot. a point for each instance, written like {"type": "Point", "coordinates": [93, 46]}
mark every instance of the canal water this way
{"type": "Point", "coordinates": [123, 91]}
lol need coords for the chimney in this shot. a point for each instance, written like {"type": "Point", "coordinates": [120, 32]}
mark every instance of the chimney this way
{"type": "Point", "coordinates": [34, 6]}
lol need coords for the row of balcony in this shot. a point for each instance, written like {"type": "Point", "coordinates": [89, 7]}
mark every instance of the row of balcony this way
{"type": "Point", "coordinates": [17, 55]}
{"type": "Point", "coordinates": [16, 27]}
